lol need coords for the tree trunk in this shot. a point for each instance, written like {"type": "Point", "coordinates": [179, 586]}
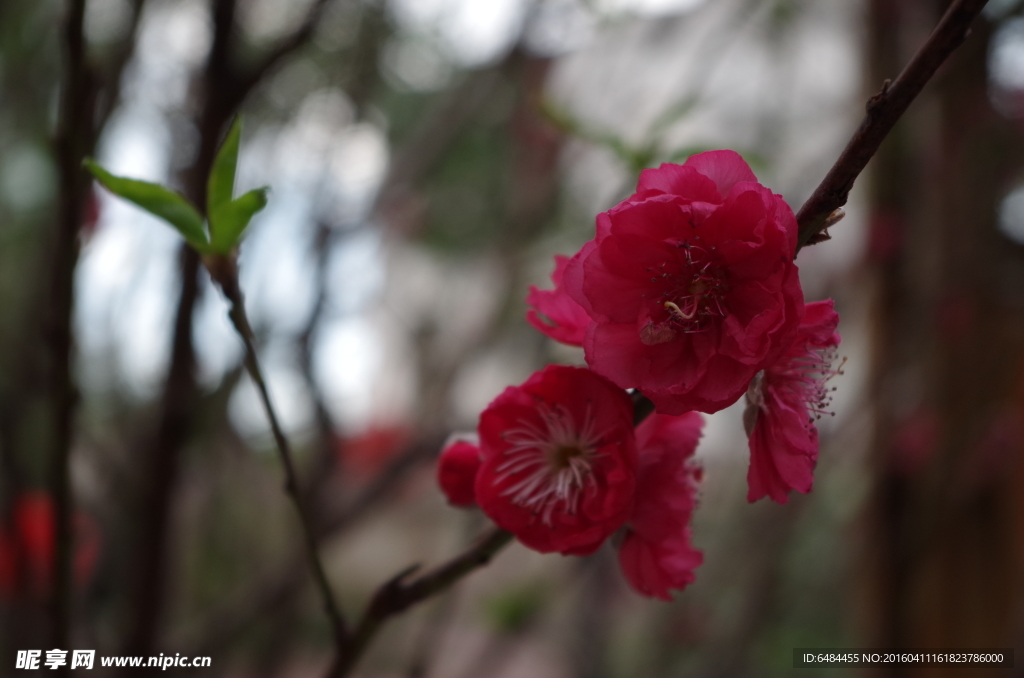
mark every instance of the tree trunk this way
{"type": "Point", "coordinates": [944, 526]}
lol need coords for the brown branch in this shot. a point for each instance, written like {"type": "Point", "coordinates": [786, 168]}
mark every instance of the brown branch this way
{"type": "Point", "coordinates": [883, 111]}
{"type": "Point", "coordinates": [399, 594]}
{"type": "Point", "coordinates": [148, 598]}
{"type": "Point", "coordinates": [79, 125]}
{"type": "Point", "coordinates": [110, 96]}
{"type": "Point", "coordinates": [323, 476]}
{"type": "Point", "coordinates": [161, 473]}
{"type": "Point", "coordinates": [287, 46]}
{"type": "Point", "coordinates": [224, 273]}
{"type": "Point", "coordinates": [74, 138]}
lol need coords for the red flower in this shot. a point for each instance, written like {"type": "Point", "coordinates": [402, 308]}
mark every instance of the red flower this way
{"type": "Point", "coordinates": [456, 472]}
{"type": "Point", "coordinates": [27, 547]}
{"type": "Point", "coordinates": [566, 321]}
{"type": "Point", "coordinates": [365, 454]}
{"type": "Point", "coordinates": [559, 460]}
{"type": "Point", "coordinates": [690, 283]}
{"type": "Point", "coordinates": [782, 404]}
{"type": "Point", "coordinates": [656, 555]}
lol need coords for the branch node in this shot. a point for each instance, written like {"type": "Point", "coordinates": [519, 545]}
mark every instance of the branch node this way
{"type": "Point", "coordinates": [883, 111]}
{"type": "Point", "coordinates": [875, 101]}
{"type": "Point", "coordinates": [398, 581]}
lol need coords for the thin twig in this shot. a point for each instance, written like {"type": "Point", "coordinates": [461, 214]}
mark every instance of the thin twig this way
{"type": "Point", "coordinates": [883, 111]}
{"type": "Point", "coordinates": [223, 90]}
{"type": "Point", "coordinates": [287, 46]}
{"type": "Point", "coordinates": [229, 284]}
{"type": "Point", "coordinates": [398, 594]}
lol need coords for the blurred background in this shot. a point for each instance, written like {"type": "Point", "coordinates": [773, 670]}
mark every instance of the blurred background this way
{"type": "Point", "coordinates": [427, 158]}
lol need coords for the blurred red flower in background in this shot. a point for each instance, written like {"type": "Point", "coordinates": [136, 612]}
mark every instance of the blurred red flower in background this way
{"type": "Point", "coordinates": [28, 547]}
{"type": "Point", "coordinates": [364, 454]}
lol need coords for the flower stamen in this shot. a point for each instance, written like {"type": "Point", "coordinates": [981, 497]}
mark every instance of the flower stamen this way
{"type": "Point", "coordinates": [698, 291]}
{"type": "Point", "coordinates": [554, 462]}
{"type": "Point", "coordinates": [674, 308]}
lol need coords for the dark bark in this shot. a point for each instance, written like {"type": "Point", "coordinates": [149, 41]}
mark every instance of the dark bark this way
{"type": "Point", "coordinates": [147, 602]}
{"type": "Point", "coordinates": [942, 565]}
{"type": "Point", "coordinates": [75, 137]}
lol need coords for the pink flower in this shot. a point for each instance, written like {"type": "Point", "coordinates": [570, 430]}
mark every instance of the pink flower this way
{"type": "Point", "coordinates": [782, 405]}
{"type": "Point", "coordinates": [456, 472]}
{"type": "Point", "coordinates": [690, 284]}
{"type": "Point", "coordinates": [558, 460]}
{"type": "Point", "coordinates": [656, 555]}
{"type": "Point", "coordinates": [555, 313]}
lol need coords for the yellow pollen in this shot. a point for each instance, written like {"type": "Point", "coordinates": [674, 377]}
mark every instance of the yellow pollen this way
{"type": "Point", "coordinates": [673, 308]}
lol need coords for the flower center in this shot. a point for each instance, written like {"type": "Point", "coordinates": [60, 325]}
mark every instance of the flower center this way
{"type": "Point", "coordinates": [692, 295]}
{"type": "Point", "coordinates": [698, 296]}
{"type": "Point", "coordinates": [561, 458]}
{"type": "Point", "coordinates": [552, 463]}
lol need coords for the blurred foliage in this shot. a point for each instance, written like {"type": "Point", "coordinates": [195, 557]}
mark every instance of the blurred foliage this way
{"type": "Point", "coordinates": [515, 610]}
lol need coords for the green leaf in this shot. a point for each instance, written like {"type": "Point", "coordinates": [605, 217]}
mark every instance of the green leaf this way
{"type": "Point", "coordinates": [229, 220]}
{"type": "Point", "coordinates": [220, 185]}
{"type": "Point", "coordinates": [170, 206]}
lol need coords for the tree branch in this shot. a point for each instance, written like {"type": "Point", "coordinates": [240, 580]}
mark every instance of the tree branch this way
{"type": "Point", "coordinates": [148, 596]}
{"type": "Point", "coordinates": [398, 594]}
{"type": "Point", "coordinates": [74, 138]}
{"type": "Point", "coordinates": [883, 111]}
{"type": "Point", "coordinates": [224, 273]}
{"type": "Point", "coordinates": [287, 46]}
